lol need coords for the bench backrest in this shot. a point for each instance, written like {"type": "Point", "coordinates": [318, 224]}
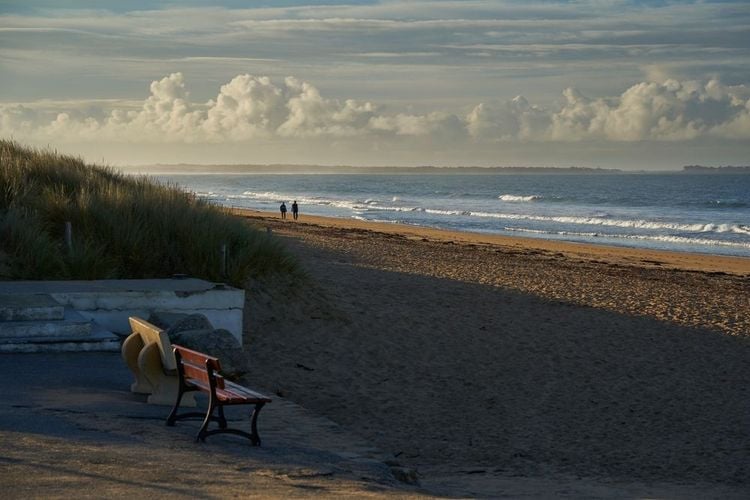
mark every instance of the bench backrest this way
{"type": "Point", "coordinates": [151, 333]}
{"type": "Point", "coordinates": [198, 366]}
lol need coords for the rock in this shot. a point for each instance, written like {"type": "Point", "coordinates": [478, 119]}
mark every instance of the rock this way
{"type": "Point", "coordinates": [219, 343]}
{"type": "Point", "coordinates": [164, 319]}
{"type": "Point", "coordinates": [405, 475]}
{"type": "Point", "coordinates": [174, 323]}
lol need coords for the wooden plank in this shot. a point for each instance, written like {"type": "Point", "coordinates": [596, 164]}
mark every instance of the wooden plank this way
{"type": "Point", "coordinates": [197, 358]}
{"type": "Point", "coordinates": [244, 392]}
{"type": "Point", "coordinates": [196, 365]}
{"type": "Point", "coordinates": [199, 366]}
{"type": "Point", "coordinates": [195, 372]}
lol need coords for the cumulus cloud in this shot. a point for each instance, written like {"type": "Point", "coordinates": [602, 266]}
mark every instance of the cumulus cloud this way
{"type": "Point", "coordinates": [647, 111]}
{"type": "Point", "coordinates": [250, 108]}
{"type": "Point", "coordinates": [668, 111]}
{"type": "Point", "coordinates": [512, 120]}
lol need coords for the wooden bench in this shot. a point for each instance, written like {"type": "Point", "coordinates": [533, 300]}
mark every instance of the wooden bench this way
{"type": "Point", "coordinates": [148, 354]}
{"type": "Point", "coordinates": [200, 372]}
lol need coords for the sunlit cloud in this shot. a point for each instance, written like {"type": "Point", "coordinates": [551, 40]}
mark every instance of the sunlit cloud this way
{"type": "Point", "coordinates": [255, 107]}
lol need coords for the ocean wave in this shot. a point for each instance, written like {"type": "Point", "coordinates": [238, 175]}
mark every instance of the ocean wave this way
{"type": "Point", "coordinates": [445, 212]}
{"type": "Point", "coordinates": [359, 217]}
{"type": "Point", "coordinates": [390, 208]}
{"type": "Point", "coordinates": [355, 205]}
{"type": "Point", "coordinates": [682, 240]}
{"type": "Point", "coordinates": [624, 223]}
{"type": "Point", "coordinates": [727, 204]}
{"type": "Point", "coordinates": [304, 200]}
{"type": "Point", "coordinates": [718, 204]}
{"type": "Point", "coordinates": [599, 219]}
{"type": "Point", "coordinates": [517, 198]}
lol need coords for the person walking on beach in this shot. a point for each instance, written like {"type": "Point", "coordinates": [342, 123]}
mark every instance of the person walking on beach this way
{"type": "Point", "coordinates": [295, 210]}
{"type": "Point", "coordinates": [282, 208]}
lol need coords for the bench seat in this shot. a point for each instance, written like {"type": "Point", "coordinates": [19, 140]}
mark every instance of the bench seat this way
{"type": "Point", "coordinates": [232, 394]}
{"type": "Point", "coordinates": [197, 371]}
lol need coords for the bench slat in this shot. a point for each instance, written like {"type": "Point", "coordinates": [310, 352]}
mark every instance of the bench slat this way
{"type": "Point", "coordinates": [237, 393]}
{"type": "Point", "coordinates": [195, 372]}
{"type": "Point", "coordinates": [199, 371]}
{"type": "Point", "coordinates": [244, 392]}
{"type": "Point", "coordinates": [198, 358]}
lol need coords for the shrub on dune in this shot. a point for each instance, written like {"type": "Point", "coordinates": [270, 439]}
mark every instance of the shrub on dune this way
{"type": "Point", "coordinates": [123, 227]}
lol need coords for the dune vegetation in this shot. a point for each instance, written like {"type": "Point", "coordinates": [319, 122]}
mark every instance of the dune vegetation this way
{"type": "Point", "coordinates": [122, 226]}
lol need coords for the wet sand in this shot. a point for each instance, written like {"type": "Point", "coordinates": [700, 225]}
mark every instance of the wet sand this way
{"type": "Point", "coordinates": [479, 359]}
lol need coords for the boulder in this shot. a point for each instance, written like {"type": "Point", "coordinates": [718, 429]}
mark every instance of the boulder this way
{"type": "Point", "coordinates": [174, 323]}
{"type": "Point", "coordinates": [406, 475]}
{"type": "Point", "coordinates": [219, 343]}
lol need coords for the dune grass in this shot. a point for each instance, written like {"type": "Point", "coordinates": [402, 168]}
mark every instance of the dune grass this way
{"type": "Point", "coordinates": [122, 227]}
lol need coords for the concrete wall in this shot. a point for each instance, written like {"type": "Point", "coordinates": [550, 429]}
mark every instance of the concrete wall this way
{"type": "Point", "coordinates": [110, 306]}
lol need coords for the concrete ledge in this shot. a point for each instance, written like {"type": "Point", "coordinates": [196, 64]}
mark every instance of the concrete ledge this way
{"type": "Point", "coordinates": [111, 302]}
{"type": "Point", "coordinates": [29, 307]}
{"type": "Point", "coordinates": [98, 340]}
{"type": "Point", "coordinates": [71, 327]}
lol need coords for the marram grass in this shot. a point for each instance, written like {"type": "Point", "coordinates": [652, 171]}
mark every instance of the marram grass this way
{"type": "Point", "coordinates": [122, 227]}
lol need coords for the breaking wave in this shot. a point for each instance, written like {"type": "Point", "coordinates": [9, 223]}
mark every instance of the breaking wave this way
{"type": "Point", "coordinates": [516, 198]}
{"type": "Point", "coordinates": [681, 240]}
{"type": "Point", "coordinates": [624, 223]}
{"type": "Point", "coordinates": [602, 219]}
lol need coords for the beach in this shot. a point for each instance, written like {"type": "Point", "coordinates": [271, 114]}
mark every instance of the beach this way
{"type": "Point", "coordinates": [476, 359]}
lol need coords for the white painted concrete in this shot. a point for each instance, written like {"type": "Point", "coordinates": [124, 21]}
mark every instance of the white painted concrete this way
{"type": "Point", "coordinates": [111, 302]}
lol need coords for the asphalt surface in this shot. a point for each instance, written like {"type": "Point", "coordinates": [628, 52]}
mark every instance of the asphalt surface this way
{"type": "Point", "coordinates": [70, 427]}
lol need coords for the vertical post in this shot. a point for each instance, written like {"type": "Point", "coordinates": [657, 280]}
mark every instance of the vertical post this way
{"type": "Point", "coordinates": [224, 259]}
{"type": "Point", "coordinates": [69, 236]}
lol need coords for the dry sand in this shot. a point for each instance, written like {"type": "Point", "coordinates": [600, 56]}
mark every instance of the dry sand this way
{"type": "Point", "coordinates": [496, 365]}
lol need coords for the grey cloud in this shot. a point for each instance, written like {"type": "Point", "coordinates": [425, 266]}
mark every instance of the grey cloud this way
{"type": "Point", "coordinates": [520, 40]}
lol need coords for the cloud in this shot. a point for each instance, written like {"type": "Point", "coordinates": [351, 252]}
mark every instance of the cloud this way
{"type": "Point", "coordinates": [254, 108]}
{"type": "Point", "coordinates": [512, 120]}
{"type": "Point", "coordinates": [668, 111]}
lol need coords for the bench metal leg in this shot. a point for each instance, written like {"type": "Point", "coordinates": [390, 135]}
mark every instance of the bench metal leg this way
{"type": "Point", "coordinates": [202, 433]}
{"type": "Point", "coordinates": [173, 414]}
{"type": "Point", "coordinates": [222, 419]}
{"type": "Point", "coordinates": [254, 437]}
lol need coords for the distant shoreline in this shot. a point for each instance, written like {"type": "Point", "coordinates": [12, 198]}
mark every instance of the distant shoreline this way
{"type": "Point", "coordinates": [344, 169]}
{"type": "Point", "coordinates": [627, 256]}
{"type": "Point", "coordinates": [284, 169]}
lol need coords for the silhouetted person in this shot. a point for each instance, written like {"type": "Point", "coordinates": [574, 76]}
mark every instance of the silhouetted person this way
{"type": "Point", "coordinates": [282, 208]}
{"type": "Point", "coordinates": [295, 210]}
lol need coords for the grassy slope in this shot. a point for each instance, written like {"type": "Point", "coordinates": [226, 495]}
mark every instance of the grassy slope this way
{"type": "Point", "coordinates": [123, 227]}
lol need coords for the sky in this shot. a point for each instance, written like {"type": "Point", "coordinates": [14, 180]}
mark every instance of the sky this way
{"type": "Point", "coordinates": [595, 83]}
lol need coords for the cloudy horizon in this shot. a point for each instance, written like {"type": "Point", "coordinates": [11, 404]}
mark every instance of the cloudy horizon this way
{"type": "Point", "coordinates": [621, 84]}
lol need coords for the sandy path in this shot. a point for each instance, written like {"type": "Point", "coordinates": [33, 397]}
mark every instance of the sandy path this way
{"type": "Point", "coordinates": [513, 360]}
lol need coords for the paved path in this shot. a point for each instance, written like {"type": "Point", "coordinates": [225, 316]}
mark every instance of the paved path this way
{"type": "Point", "coordinates": [69, 427]}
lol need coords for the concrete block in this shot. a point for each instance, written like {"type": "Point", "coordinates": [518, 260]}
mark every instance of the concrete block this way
{"type": "Point", "coordinates": [99, 340]}
{"type": "Point", "coordinates": [72, 327]}
{"type": "Point", "coordinates": [29, 307]}
{"type": "Point", "coordinates": [111, 302]}
{"type": "Point", "coordinates": [154, 299]}
{"type": "Point", "coordinates": [148, 354]}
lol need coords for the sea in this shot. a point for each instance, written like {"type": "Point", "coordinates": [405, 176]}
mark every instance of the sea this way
{"type": "Point", "coordinates": [685, 212]}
